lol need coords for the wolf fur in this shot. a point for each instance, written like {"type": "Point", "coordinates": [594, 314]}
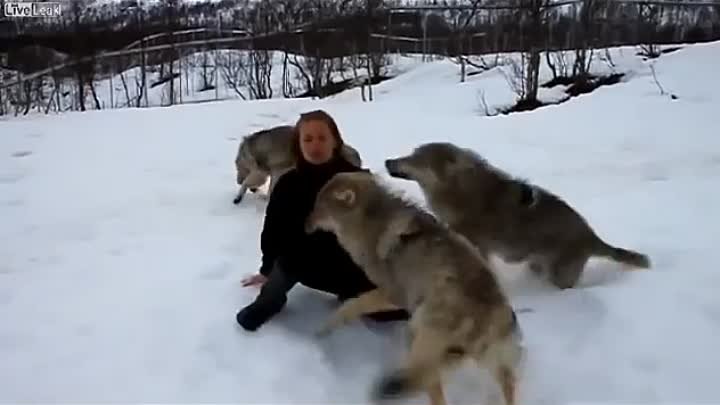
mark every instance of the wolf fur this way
{"type": "Point", "coordinates": [458, 309]}
{"type": "Point", "coordinates": [269, 153]}
{"type": "Point", "coordinates": [507, 216]}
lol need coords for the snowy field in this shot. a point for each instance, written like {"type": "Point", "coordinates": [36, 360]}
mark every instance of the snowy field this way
{"type": "Point", "coordinates": [122, 254]}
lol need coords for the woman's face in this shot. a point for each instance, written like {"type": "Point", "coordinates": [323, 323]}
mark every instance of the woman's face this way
{"type": "Point", "coordinates": [316, 142]}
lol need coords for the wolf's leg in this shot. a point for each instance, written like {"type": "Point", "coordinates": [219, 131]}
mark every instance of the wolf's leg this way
{"type": "Point", "coordinates": [507, 379]}
{"type": "Point", "coordinates": [253, 180]}
{"type": "Point", "coordinates": [241, 193]}
{"type": "Point", "coordinates": [435, 390]}
{"type": "Point", "coordinates": [566, 271]}
{"type": "Point", "coordinates": [502, 359]}
{"type": "Point", "coordinates": [422, 370]}
{"type": "Point", "coordinates": [353, 308]}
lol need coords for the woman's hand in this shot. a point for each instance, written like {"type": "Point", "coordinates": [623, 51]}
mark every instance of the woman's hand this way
{"type": "Point", "coordinates": [254, 280]}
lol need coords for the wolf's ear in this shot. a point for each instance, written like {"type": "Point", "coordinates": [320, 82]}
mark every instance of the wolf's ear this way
{"type": "Point", "coordinates": [345, 196]}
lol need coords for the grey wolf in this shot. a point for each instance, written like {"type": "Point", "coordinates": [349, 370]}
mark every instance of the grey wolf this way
{"type": "Point", "coordinates": [457, 307]}
{"type": "Point", "coordinates": [268, 152]}
{"type": "Point", "coordinates": [289, 256]}
{"type": "Point", "coordinates": [511, 217]}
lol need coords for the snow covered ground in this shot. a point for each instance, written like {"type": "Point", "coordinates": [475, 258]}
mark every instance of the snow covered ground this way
{"type": "Point", "coordinates": [121, 253]}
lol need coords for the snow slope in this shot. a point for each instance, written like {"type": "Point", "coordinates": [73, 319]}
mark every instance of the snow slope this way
{"type": "Point", "coordinates": [122, 253]}
{"type": "Point", "coordinates": [124, 88]}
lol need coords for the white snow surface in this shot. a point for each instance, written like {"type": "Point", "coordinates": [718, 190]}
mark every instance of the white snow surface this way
{"type": "Point", "coordinates": [121, 253]}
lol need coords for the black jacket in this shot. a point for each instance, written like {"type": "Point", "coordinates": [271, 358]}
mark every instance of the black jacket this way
{"type": "Point", "coordinates": [316, 260]}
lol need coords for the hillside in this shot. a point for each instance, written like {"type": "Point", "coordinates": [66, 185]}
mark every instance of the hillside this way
{"type": "Point", "coordinates": [492, 83]}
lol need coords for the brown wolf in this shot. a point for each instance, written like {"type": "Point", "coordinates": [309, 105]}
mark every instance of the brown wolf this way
{"type": "Point", "coordinates": [269, 153]}
{"type": "Point", "coordinates": [505, 215]}
{"type": "Point", "coordinates": [458, 309]}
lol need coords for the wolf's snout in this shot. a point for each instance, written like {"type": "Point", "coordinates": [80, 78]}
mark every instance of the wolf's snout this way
{"type": "Point", "coordinates": [393, 168]}
{"type": "Point", "coordinates": [391, 165]}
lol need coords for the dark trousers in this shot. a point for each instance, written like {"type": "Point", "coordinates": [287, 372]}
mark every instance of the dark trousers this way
{"type": "Point", "coordinates": [273, 297]}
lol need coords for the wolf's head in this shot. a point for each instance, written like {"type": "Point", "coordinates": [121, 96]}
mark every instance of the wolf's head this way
{"type": "Point", "coordinates": [433, 164]}
{"type": "Point", "coordinates": [342, 199]}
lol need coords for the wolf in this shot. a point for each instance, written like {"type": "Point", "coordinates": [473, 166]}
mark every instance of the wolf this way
{"type": "Point", "coordinates": [508, 216]}
{"type": "Point", "coordinates": [458, 309]}
{"type": "Point", "coordinates": [268, 152]}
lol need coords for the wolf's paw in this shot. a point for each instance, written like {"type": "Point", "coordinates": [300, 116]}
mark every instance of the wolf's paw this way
{"type": "Point", "coordinates": [391, 386]}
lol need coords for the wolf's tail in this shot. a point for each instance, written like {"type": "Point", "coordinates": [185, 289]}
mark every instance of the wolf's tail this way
{"type": "Point", "coordinates": [626, 256]}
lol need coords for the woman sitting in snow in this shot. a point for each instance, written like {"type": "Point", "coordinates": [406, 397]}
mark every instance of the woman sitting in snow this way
{"type": "Point", "coordinates": [291, 256]}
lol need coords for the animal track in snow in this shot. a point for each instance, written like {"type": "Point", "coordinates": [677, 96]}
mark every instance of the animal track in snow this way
{"type": "Point", "coordinates": [21, 153]}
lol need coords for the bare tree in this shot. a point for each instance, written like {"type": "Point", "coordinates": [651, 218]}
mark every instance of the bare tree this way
{"type": "Point", "coordinates": [287, 14]}
{"type": "Point", "coordinates": [558, 64]}
{"type": "Point", "coordinates": [585, 43]}
{"type": "Point", "coordinates": [533, 17]}
{"type": "Point", "coordinates": [208, 70]}
{"type": "Point", "coordinates": [76, 9]}
{"type": "Point", "coordinates": [141, 83]}
{"type": "Point", "coordinates": [515, 74]}
{"type": "Point", "coordinates": [259, 66]}
{"type": "Point", "coordinates": [355, 63]}
{"type": "Point", "coordinates": [460, 26]}
{"type": "Point", "coordinates": [232, 67]}
{"type": "Point", "coordinates": [314, 71]}
{"type": "Point", "coordinates": [649, 16]}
